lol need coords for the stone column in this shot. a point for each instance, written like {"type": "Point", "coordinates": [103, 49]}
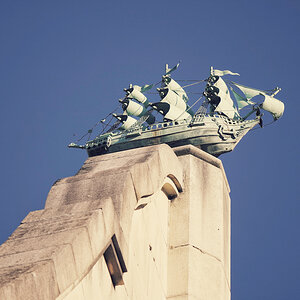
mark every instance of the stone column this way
{"type": "Point", "coordinates": [199, 230]}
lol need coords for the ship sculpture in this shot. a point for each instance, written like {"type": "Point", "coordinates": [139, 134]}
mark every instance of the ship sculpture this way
{"type": "Point", "coordinates": [216, 126]}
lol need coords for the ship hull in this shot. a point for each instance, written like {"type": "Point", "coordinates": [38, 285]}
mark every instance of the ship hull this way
{"type": "Point", "coordinates": [213, 134]}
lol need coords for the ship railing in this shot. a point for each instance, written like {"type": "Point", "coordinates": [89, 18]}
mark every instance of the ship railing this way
{"type": "Point", "coordinates": [165, 124]}
{"type": "Point", "coordinates": [199, 117]}
{"type": "Point", "coordinates": [213, 116]}
{"type": "Point", "coordinates": [196, 119]}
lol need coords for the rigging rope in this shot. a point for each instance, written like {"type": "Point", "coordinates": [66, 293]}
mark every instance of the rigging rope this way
{"type": "Point", "coordinates": [189, 93]}
{"type": "Point", "coordinates": [263, 126]}
{"type": "Point", "coordinates": [193, 83]}
{"type": "Point", "coordinates": [189, 107]}
{"type": "Point", "coordinates": [189, 80]}
{"type": "Point", "coordinates": [90, 131]}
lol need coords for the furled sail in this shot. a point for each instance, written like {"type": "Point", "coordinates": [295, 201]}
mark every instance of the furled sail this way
{"type": "Point", "coordinates": [169, 111]}
{"type": "Point", "coordinates": [274, 106]}
{"type": "Point", "coordinates": [170, 83]}
{"type": "Point", "coordinates": [218, 95]}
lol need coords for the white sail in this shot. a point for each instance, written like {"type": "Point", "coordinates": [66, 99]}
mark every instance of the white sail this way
{"type": "Point", "coordinates": [221, 85]}
{"type": "Point", "coordinates": [175, 87]}
{"type": "Point", "coordinates": [126, 120]}
{"type": "Point", "coordinates": [226, 105]}
{"type": "Point", "coordinates": [226, 108]}
{"type": "Point", "coordinates": [132, 108]}
{"type": "Point", "coordinates": [274, 106]}
{"type": "Point", "coordinates": [170, 111]}
{"type": "Point", "coordinates": [241, 101]}
{"type": "Point", "coordinates": [172, 98]}
{"type": "Point", "coordinates": [248, 92]}
{"type": "Point", "coordinates": [135, 93]}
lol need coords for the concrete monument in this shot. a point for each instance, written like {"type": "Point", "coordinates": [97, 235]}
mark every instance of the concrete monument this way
{"type": "Point", "coordinates": [143, 221]}
{"type": "Point", "coordinates": [147, 223]}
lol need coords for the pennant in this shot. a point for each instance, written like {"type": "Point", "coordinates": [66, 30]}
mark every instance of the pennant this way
{"type": "Point", "coordinates": [146, 87]}
{"type": "Point", "coordinates": [168, 71]}
{"type": "Point", "coordinates": [222, 73]}
{"type": "Point", "coordinates": [143, 88]}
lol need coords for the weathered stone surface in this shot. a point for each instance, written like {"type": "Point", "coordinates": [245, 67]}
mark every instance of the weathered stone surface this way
{"type": "Point", "coordinates": [26, 281]}
{"type": "Point", "coordinates": [170, 216]}
{"type": "Point", "coordinates": [144, 168]}
{"type": "Point", "coordinates": [199, 232]}
{"type": "Point", "coordinates": [204, 275]}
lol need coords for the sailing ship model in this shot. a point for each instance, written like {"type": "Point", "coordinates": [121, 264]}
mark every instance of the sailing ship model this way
{"type": "Point", "coordinates": [216, 127]}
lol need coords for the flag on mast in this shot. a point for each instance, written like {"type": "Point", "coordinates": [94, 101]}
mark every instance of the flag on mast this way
{"type": "Point", "coordinates": [222, 73]}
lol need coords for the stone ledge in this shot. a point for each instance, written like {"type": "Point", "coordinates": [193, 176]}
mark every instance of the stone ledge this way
{"type": "Point", "coordinates": [192, 150]}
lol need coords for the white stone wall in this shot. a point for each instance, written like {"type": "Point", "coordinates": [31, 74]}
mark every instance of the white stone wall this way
{"type": "Point", "coordinates": [200, 232]}
{"type": "Point", "coordinates": [166, 217]}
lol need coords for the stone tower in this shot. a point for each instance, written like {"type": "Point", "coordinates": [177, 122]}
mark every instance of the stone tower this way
{"type": "Point", "coordinates": [148, 223]}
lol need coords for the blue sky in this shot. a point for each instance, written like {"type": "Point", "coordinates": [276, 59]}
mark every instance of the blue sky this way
{"type": "Point", "coordinates": [64, 64]}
